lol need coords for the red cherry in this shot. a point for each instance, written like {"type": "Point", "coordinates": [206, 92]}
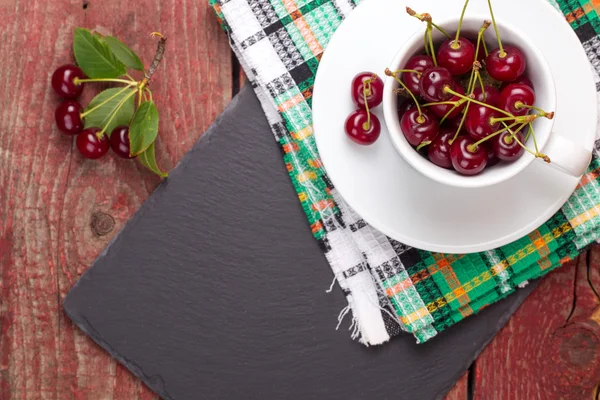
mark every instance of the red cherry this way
{"type": "Point", "coordinates": [90, 146]}
{"type": "Point", "coordinates": [119, 141]}
{"type": "Point", "coordinates": [514, 93]}
{"type": "Point", "coordinates": [439, 149]}
{"type": "Point", "coordinates": [62, 81]}
{"type": "Point", "coordinates": [418, 129]}
{"type": "Point", "coordinates": [433, 82]}
{"type": "Point", "coordinates": [523, 80]}
{"type": "Point", "coordinates": [506, 148]}
{"type": "Point", "coordinates": [358, 131]}
{"type": "Point", "coordinates": [418, 63]}
{"type": "Point", "coordinates": [468, 162]}
{"type": "Point", "coordinates": [478, 122]}
{"type": "Point", "coordinates": [68, 117]}
{"type": "Point", "coordinates": [375, 97]}
{"type": "Point", "coordinates": [507, 68]}
{"type": "Point", "coordinates": [490, 97]}
{"type": "Point", "coordinates": [442, 109]}
{"type": "Point", "coordinates": [492, 159]}
{"type": "Point", "coordinates": [457, 56]}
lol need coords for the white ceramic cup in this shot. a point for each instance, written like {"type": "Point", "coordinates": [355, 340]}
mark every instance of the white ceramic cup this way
{"type": "Point", "coordinates": [563, 153]}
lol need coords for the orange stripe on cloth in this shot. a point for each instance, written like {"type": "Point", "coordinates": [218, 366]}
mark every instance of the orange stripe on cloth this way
{"type": "Point", "coordinates": [584, 217]}
{"type": "Point", "coordinates": [399, 287]}
{"type": "Point", "coordinates": [302, 25]}
{"type": "Point", "coordinates": [588, 178]}
{"type": "Point", "coordinates": [286, 105]}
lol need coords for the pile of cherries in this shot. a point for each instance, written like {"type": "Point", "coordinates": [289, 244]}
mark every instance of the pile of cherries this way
{"type": "Point", "coordinates": [69, 115]}
{"type": "Point", "coordinates": [461, 106]}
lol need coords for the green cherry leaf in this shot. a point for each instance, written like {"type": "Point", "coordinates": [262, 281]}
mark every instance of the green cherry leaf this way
{"type": "Point", "coordinates": [144, 128]}
{"type": "Point", "coordinates": [94, 56]}
{"type": "Point", "coordinates": [105, 104]}
{"type": "Point", "coordinates": [124, 53]}
{"type": "Point", "coordinates": [148, 160]}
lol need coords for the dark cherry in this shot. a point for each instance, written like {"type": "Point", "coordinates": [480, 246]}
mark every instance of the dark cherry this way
{"type": "Point", "coordinates": [355, 128]}
{"type": "Point", "coordinates": [478, 124]}
{"type": "Point", "coordinates": [468, 162]}
{"type": "Point", "coordinates": [418, 63]}
{"type": "Point", "coordinates": [403, 107]}
{"type": "Point", "coordinates": [62, 81]}
{"type": "Point", "coordinates": [490, 96]}
{"type": "Point", "coordinates": [442, 109]}
{"type": "Point", "coordinates": [492, 159]}
{"type": "Point", "coordinates": [68, 117]}
{"type": "Point", "coordinates": [417, 131]}
{"type": "Point", "coordinates": [439, 149]}
{"type": "Point", "coordinates": [454, 123]}
{"type": "Point", "coordinates": [90, 146]}
{"type": "Point", "coordinates": [506, 148]}
{"type": "Point", "coordinates": [523, 80]}
{"type": "Point", "coordinates": [457, 56]}
{"type": "Point", "coordinates": [433, 82]}
{"type": "Point", "coordinates": [510, 95]}
{"type": "Point", "coordinates": [119, 141]}
{"type": "Point", "coordinates": [507, 68]}
{"type": "Point", "coordinates": [358, 85]}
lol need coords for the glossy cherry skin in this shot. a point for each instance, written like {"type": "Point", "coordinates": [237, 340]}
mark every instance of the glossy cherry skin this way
{"type": "Point", "coordinates": [523, 80]}
{"type": "Point", "coordinates": [417, 132]}
{"type": "Point", "coordinates": [90, 146]}
{"type": "Point", "coordinates": [439, 149]}
{"type": "Point", "coordinates": [419, 63]}
{"type": "Point", "coordinates": [355, 128]}
{"type": "Point", "coordinates": [433, 82]}
{"type": "Point", "coordinates": [506, 148]}
{"type": "Point", "coordinates": [508, 68]}
{"type": "Point", "coordinates": [62, 81]}
{"type": "Point", "coordinates": [492, 159]}
{"type": "Point", "coordinates": [68, 117]}
{"type": "Point", "coordinates": [478, 124]}
{"type": "Point", "coordinates": [510, 95]}
{"type": "Point", "coordinates": [374, 98]}
{"type": "Point", "coordinates": [490, 96]}
{"type": "Point", "coordinates": [442, 109]}
{"type": "Point", "coordinates": [119, 141]}
{"type": "Point", "coordinates": [466, 162]}
{"type": "Point", "coordinates": [456, 56]}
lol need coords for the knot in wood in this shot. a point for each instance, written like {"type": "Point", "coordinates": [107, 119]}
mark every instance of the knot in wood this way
{"type": "Point", "coordinates": [102, 223]}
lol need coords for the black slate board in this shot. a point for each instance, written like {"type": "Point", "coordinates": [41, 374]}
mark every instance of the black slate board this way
{"type": "Point", "coordinates": [216, 289]}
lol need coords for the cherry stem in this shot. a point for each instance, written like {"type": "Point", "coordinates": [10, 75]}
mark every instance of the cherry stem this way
{"type": "Point", "coordinates": [537, 154]}
{"type": "Point", "coordinates": [88, 112]}
{"type": "Point", "coordinates": [485, 49]}
{"type": "Point", "coordinates": [367, 88]}
{"type": "Point", "coordinates": [158, 56]}
{"type": "Point", "coordinates": [528, 133]}
{"type": "Point", "coordinates": [448, 90]}
{"type": "Point", "coordinates": [522, 119]}
{"type": "Point", "coordinates": [455, 45]}
{"type": "Point", "coordinates": [77, 81]}
{"type": "Point", "coordinates": [535, 145]}
{"type": "Point", "coordinates": [149, 93]}
{"type": "Point", "coordinates": [390, 73]}
{"type": "Point", "coordinates": [473, 147]}
{"type": "Point", "coordinates": [441, 103]}
{"type": "Point", "coordinates": [425, 36]}
{"type": "Point", "coordinates": [114, 114]}
{"type": "Point", "coordinates": [462, 121]}
{"type": "Point", "coordinates": [399, 71]}
{"type": "Point", "coordinates": [480, 79]}
{"type": "Point", "coordinates": [519, 105]}
{"type": "Point", "coordinates": [502, 52]}
{"type": "Point", "coordinates": [441, 30]}
{"type": "Point", "coordinates": [426, 17]}
{"type": "Point", "coordinates": [432, 47]}
{"type": "Point", "coordinates": [458, 103]}
{"type": "Point", "coordinates": [423, 144]}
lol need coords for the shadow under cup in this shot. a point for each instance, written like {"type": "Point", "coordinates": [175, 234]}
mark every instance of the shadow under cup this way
{"type": "Point", "coordinates": [537, 71]}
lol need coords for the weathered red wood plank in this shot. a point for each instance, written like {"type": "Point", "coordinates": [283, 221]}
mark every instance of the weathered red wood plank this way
{"type": "Point", "coordinates": [57, 211]}
{"type": "Point", "coordinates": [460, 390]}
{"type": "Point", "coordinates": [550, 347]}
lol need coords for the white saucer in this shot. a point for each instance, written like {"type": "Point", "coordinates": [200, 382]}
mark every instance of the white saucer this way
{"type": "Point", "coordinates": [399, 201]}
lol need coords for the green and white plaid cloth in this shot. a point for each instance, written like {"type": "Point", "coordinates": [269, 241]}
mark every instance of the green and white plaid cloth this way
{"type": "Point", "coordinates": [389, 286]}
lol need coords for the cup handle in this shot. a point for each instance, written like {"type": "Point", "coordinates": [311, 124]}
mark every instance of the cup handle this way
{"type": "Point", "coordinates": [566, 155]}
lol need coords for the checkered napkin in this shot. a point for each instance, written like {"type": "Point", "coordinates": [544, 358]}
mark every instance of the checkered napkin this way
{"type": "Point", "coordinates": [389, 286]}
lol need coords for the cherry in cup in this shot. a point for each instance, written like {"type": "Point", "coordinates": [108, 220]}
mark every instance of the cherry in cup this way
{"type": "Point", "coordinates": [416, 65]}
{"type": "Point", "coordinates": [419, 127]}
{"type": "Point", "coordinates": [433, 83]}
{"type": "Point", "coordinates": [516, 99]}
{"type": "Point", "coordinates": [468, 159]}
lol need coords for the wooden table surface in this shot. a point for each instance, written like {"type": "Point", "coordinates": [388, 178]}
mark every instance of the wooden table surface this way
{"type": "Point", "coordinates": [58, 211]}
